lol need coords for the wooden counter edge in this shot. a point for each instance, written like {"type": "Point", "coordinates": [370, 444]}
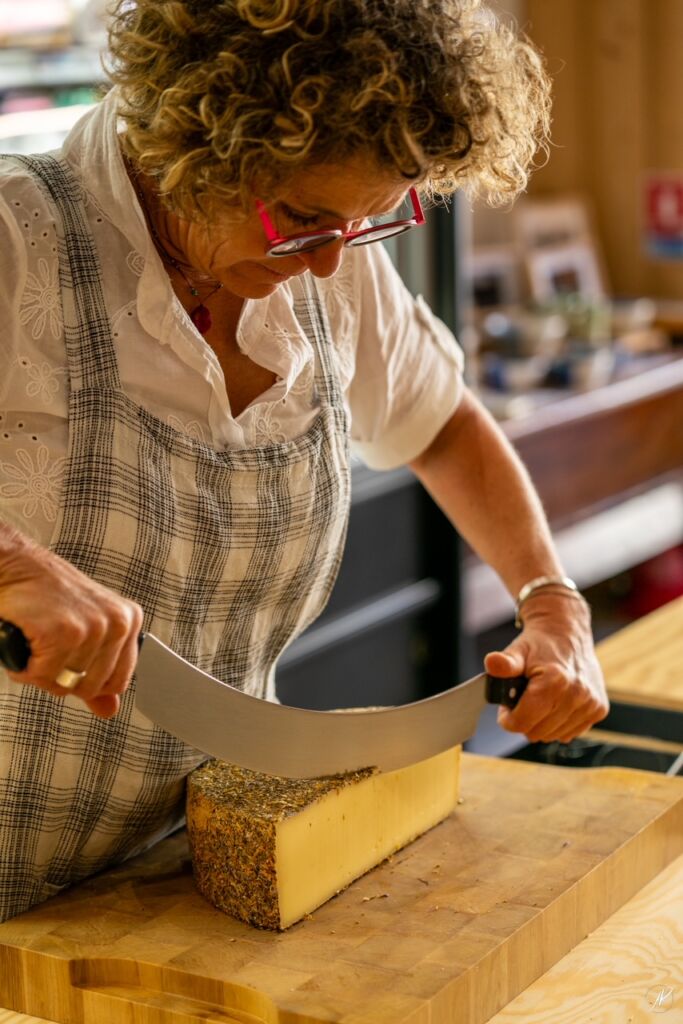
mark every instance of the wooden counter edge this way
{"type": "Point", "coordinates": [643, 662]}
{"type": "Point", "coordinates": [619, 968]}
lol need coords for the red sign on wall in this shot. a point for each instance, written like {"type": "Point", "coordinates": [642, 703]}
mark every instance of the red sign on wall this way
{"type": "Point", "coordinates": [664, 215]}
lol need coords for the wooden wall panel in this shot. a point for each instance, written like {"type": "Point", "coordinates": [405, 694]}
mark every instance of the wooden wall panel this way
{"type": "Point", "coordinates": [557, 29]}
{"type": "Point", "coordinates": [665, 116]}
{"type": "Point", "coordinates": [617, 67]}
{"type": "Point", "coordinates": [615, 101]}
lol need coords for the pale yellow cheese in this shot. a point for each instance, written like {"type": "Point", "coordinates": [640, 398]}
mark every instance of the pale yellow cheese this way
{"type": "Point", "coordinates": [270, 851]}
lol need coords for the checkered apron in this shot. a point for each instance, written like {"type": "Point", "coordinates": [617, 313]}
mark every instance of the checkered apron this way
{"type": "Point", "coordinates": [230, 553]}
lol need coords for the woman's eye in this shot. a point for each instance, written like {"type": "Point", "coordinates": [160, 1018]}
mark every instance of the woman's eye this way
{"type": "Point", "coordinates": [302, 219]}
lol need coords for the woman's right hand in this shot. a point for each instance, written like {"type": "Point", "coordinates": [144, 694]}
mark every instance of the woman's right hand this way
{"type": "Point", "coordinates": [70, 622]}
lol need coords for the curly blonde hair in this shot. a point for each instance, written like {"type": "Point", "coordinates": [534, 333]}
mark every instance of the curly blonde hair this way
{"type": "Point", "coordinates": [220, 94]}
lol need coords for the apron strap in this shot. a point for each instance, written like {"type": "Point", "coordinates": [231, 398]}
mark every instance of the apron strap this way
{"type": "Point", "coordinates": [311, 314]}
{"type": "Point", "coordinates": [87, 327]}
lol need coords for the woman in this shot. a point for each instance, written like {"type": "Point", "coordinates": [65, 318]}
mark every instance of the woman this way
{"type": "Point", "coordinates": [194, 330]}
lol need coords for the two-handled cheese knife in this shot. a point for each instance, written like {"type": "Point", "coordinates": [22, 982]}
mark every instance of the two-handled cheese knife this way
{"type": "Point", "coordinates": [296, 743]}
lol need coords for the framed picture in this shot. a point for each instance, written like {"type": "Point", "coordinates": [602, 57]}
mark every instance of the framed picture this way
{"type": "Point", "coordinates": [494, 276]}
{"type": "Point", "coordinates": [564, 270]}
{"type": "Point", "coordinates": [552, 222]}
{"type": "Point", "coordinates": [560, 247]}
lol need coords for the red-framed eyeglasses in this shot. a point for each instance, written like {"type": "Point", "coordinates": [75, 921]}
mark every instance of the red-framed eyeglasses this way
{"type": "Point", "coordinates": [304, 241]}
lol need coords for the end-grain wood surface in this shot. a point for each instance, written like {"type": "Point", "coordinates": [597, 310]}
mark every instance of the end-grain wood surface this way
{"type": "Point", "coordinates": [451, 929]}
{"type": "Point", "coordinates": [628, 969]}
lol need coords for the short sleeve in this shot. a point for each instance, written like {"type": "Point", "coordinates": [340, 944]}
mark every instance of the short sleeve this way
{"type": "Point", "coordinates": [408, 374]}
{"type": "Point", "coordinates": [13, 269]}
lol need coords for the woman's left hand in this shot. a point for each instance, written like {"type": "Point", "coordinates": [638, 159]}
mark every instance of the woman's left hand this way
{"type": "Point", "coordinates": [566, 693]}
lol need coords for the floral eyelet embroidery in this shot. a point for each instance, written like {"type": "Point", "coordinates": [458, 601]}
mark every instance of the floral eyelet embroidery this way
{"type": "Point", "coordinates": [125, 311]}
{"type": "Point", "coordinates": [267, 428]}
{"type": "Point", "coordinates": [42, 304]}
{"type": "Point", "coordinates": [192, 429]}
{"type": "Point", "coordinates": [135, 261]}
{"type": "Point", "coordinates": [36, 484]}
{"type": "Point", "coordinates": [302, 388]}
{"type": "Point", "coordinates": [43, 379]}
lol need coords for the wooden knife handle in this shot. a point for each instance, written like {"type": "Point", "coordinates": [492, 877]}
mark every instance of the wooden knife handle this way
{"type": "Point", "coordinates": [507, 692]}
{"type": "Point", "coordinates": [15, 649]}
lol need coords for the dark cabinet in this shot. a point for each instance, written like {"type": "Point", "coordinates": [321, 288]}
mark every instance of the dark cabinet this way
{"type": "Point", "coordinates": [389, 632]}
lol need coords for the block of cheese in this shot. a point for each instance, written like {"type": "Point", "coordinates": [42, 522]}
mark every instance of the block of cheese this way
{"type": "Point", "coordinates": [270, 850]}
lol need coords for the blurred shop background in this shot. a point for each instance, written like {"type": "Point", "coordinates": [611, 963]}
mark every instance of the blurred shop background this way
{"type": "Point", "coordinates": [570, 308]}
{"type": "Point", "coordinates": [50, 69]}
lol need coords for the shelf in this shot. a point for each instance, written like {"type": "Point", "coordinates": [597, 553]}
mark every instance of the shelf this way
{"type": "Point", "coordinates": [50, 69]}
{"type": "Point", "coordinates": [607, 465]}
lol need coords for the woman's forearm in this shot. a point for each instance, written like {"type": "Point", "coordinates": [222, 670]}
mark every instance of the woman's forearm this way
{"type": "Point", "coordinates": [479, 482]}
{"type": "Point", "coordinates": [475, 476]}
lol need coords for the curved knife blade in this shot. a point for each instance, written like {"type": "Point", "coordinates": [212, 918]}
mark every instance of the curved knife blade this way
{"type": "Point", "coordinates": [296, 743]}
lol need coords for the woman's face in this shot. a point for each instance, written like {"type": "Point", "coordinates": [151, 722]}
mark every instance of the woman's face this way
{"type": "Point", "coordinates": [326, 196]}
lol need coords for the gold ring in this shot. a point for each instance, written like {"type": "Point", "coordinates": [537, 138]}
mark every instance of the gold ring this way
{"type": "Point", "coordinates": [68, 679]}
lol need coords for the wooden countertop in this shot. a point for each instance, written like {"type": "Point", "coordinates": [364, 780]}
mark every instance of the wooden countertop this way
{"type": "Point", "coordinates": [628, 969]}
{"type": "Point", "coordinates": [643, 663]}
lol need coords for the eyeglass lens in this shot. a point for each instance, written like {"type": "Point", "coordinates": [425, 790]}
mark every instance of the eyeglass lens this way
{"type": "Point", "coordinates": [376, 234]}
{"type": "Point", "coordinates": [307, 242]}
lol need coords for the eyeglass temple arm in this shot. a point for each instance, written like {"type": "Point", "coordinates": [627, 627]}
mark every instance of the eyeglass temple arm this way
{"type": "Point", "coordinates": [268, 226]}
{"type": "Point", "coordinates": [418, 212]}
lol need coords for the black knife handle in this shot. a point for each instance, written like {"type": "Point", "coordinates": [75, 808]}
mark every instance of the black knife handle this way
{"type": "Point", "coordinates": [507, 692]}
{"type": "Point", "coordinates": [15, 649]}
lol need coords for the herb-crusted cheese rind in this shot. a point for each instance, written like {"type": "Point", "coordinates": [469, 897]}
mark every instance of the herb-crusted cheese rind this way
{"type": "Point", "coordinates": [231, 822]}
{"type": "Point", "coordinates": [266, 795]}
{"type": "Point", "coordinates": [269, 850]}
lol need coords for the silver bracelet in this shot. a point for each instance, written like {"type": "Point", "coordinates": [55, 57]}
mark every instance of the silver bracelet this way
{"type": "Point", "coordinates": [538, 584]}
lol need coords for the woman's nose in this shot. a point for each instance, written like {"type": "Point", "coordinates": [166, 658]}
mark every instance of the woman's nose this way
{"type": "Point", "coordinates": [324, 261]}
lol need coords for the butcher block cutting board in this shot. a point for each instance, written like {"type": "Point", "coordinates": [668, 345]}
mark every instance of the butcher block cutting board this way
{"type": "Point", "coordinates": [448, 931]}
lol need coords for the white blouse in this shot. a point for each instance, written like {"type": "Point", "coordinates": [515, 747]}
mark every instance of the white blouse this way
{"type": "Point", "coordinates": [400, 367]}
